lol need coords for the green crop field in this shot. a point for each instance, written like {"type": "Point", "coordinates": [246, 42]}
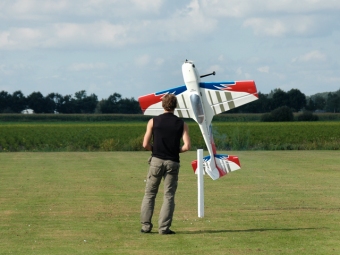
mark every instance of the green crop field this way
{"type": "Point", "coordinates": [225, 117]}
{"type": "Point", "coordinates": [127, 136]}
{"type": "Point", "coordinates": [280, 202]}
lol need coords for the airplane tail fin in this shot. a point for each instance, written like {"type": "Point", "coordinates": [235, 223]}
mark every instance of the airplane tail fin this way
{"type": "Point", "coordinates": [219, 166]}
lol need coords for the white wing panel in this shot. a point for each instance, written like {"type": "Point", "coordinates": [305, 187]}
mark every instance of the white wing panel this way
{"type": "Point", "coordinates": [222, 101]}
{"type": "Point", "coordinates": [154, 110]}
{"type": "Point", "coordinates": [244, 100]}
{"type": "Point", "coordinates": [183, 106]}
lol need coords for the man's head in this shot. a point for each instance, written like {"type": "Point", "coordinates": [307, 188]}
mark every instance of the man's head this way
{"type": "Point", "coordinates": [169, 102]}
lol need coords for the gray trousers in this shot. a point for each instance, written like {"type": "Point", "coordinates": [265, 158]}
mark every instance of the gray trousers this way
{"type": "Point", "coordinates": [168, 170]}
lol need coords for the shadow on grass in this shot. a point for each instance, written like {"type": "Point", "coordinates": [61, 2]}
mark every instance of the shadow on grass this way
{"type": "Point", "coordinates": [243, 230]}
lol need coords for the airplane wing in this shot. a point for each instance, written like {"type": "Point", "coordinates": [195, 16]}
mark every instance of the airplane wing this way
{"type": "Point", "coordinates": [152, 104]}
{"type": "Point", "coordinates": [226, 95]}
{"type": "Point", "coordinates": [220, 97]}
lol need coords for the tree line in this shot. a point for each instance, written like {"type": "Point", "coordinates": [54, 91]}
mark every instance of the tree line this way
{"type": "Point", "coordinates": [57, 103]}
{"type": "Point", "coordinates": [293, 99]}
{"type": "Point", "coordinates": [115, 103]}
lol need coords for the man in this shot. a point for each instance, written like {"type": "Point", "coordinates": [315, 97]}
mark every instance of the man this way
{"type": "Point", "coordinates": [167, 130]}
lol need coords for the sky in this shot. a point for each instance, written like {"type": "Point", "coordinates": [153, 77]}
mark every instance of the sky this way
{"type": "Point", "coordinates": [137, 47]}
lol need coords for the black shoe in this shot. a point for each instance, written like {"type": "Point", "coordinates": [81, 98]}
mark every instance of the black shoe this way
{"type": "Point", "coordinates": [145, 231]}
{"type": "Point", "coordinates": [170, 232]}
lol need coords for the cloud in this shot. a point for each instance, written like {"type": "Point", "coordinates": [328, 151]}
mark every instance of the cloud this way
{"type": "Point", "coordinates": [56, 30]}
{"type": "Point", "coordinates": [77, 67]}
{"type": "Point", "coordinates": [61, 35]}
{"type": "Point", "coordinates": [148, 5]}
{"type": "Point", "coordinates": [278, 18]}
{"type": "Point", "coordinates": [33, 10]}
{"type": "Point", "coordinates": [147, 61]}
{"type": "Point", "coordinates": [142, 60]}
{"type": "Point", "coordinates": [266, 27]}
{"type": "Point", "coordinates": [241, 9]}
{"type": "Point", "coordinates": [19, 38]}
{"type": "Point", "coordinates": [4, 70]}
{"type": "Point", "coordinates": [159, 61]}
{"type": "Point", "coordinates": [230, 9]}
{"type": "Point", "coordinates": [310, 57]}
{"type": "Point", "coordinates": [104, 23]}
{"type": "Point", "coordinates": [215, 68]}
{"type": "Point", "coordinates": [31, 6]}
{"type": "Point", "coordinates": [63, 10]}
{"type": "Point", "coordinates": [296, 26]}
{"type": "Point", "coordinates": [99, 33]}
{"type": "Point", "coordinates": [263, 69]}
{"type": "Point", "coordinates": [298, 7]}
{"type": "Point", "coordinates": [183, 25]}
{"type": "Point", "coordinates": [241, 74]}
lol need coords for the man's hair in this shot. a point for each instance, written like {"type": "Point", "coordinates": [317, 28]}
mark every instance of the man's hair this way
{"type": "Point", "coordinates": [169, 102]}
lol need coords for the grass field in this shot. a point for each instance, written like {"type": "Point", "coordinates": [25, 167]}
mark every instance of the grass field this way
{"type": "Point", "coordinates": [280, 202]}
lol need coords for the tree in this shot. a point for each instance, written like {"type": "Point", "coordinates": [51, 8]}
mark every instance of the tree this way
{"type": "Point", "coordinates": [68, 105]}
{"type": "Point", "coordinates": [116, 104]}
{"type": "Point", "coordinates": [263, 104]}
{"type": "Point", "coordinates": [5, 101]}
{"type": "Point", "coordinates": [80, 95]}
{"type": "Point", "coordinates": [333, 103]}
{"type": "Point", "coordinates": [88, 103]}
{"type": "Point", "coordinates": [316, 102]}
{"type": "Point", "coordinates": [37, 102]}
{"type": "Point", "coordinates": [296, 100]}
{"type": "Point", "coordinates": [110, 105]}
{"type": "Point", "coordinates": [78, 100]}
{"type": "Point", "coordinates": [279, 98]}
{"type": "Point", "coordinates": [54, 101]}
{"type": "Point", "coordinates": [320, 103]}
{"type": "Point", "coordinates": [310, 106]}
{"type": "Point", "coordinates": [18, 102]}
{"type": "Point", "coordinates": [129, 106]}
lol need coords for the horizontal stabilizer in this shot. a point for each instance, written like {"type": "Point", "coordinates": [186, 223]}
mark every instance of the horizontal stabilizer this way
{"type": "Point", "coordinates": [221, 165]}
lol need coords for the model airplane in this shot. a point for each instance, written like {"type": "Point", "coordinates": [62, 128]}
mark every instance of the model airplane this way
{"type": "Point", "coordinates": [201, 101]}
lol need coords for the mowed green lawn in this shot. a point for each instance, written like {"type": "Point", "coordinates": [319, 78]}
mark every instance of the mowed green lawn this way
{"type": "Point", "coordinates": [280, 202]}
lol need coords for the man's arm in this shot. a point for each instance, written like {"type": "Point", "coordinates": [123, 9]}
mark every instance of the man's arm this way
{"type": "Point", "coordinates": [148, 135]}
{"type": "Point", "coordinates": [186, 139]}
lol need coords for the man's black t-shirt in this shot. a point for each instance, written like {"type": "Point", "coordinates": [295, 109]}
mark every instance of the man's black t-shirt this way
{"type": "Point", "coordinates": [167, 133]}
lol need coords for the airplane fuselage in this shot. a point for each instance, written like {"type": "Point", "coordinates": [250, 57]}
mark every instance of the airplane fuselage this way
{"type": "Point", "coordinates": [202, 115]}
